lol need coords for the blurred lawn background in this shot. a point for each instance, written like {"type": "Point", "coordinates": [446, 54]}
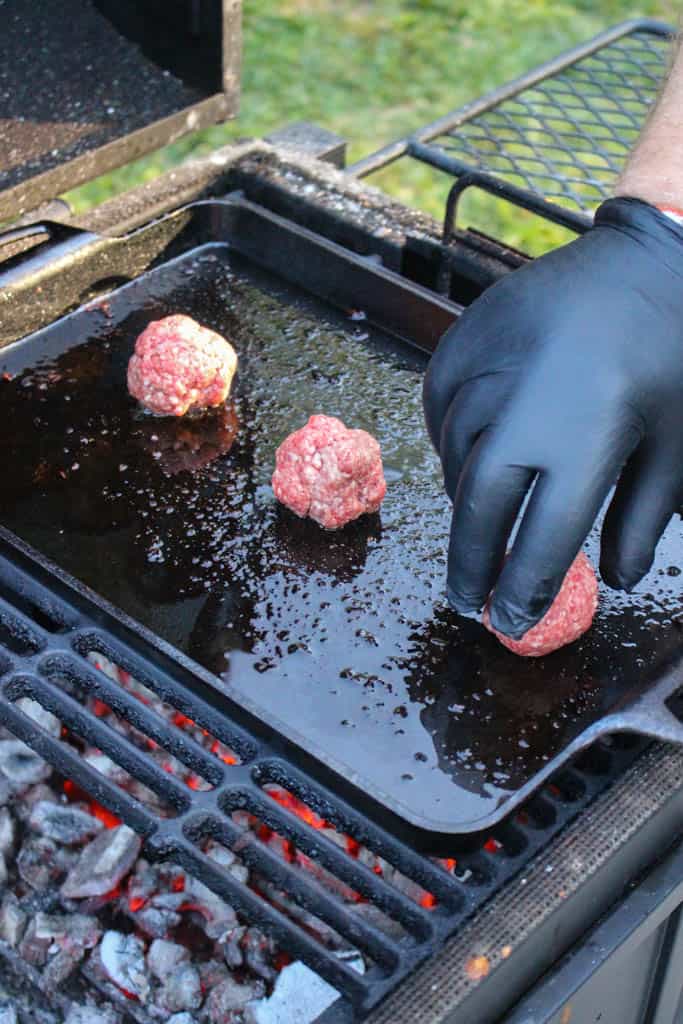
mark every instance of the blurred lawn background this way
{"type": "Point", "coordinates": [373, 70]}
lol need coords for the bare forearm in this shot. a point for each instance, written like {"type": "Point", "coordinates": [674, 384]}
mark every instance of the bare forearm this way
{"type": "Point", "coordinates": [654, 171]}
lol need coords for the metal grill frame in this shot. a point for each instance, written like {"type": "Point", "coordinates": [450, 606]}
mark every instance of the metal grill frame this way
{"type": "Point", "coordinates": [59, 622]}
{"type": "Point", "coordinates": [442, 144]}
{"type": "Point", "coordinates": [31, 585]}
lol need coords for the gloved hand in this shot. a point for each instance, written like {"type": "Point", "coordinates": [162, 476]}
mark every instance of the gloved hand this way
{"type": "Point", "coordinates": [564, 377]}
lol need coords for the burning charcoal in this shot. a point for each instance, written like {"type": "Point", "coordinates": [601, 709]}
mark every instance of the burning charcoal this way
{"type": "Point", "coordinates": [227, 859]}
{"type": "Point", "coordinates": [229, 997]}
{"type": "Point", "coordinates": [168, 900]}
{"type": "Point", "coordinates": [232, 948]}
{"type": "Point", "coordinates": [64, 824]}
{"type": "Point", "coordinates": [219, 917]}
{"type": "Point", "coordinates": [407, 886]}
{"type": "Point", "coordinates": [12, 920]}
{"type": "Point", "coordinates": [31, 797]}
{"type": "Point", "coordinates": [353, 959]}
{"type": "Point", "coordinates": [310, 865]}
{"type": "Point", "coordinates": [105, 766]}
{"type": "Point", "coordinates": [103, 663]}
{"type": "Point", "coordinates": [240, 872]}
{"type": "Point", "coordinates": [220, 854]}
{"type": "Point", "coordinates": [242, 819]}
{"type": "Point", "coordinates": [149, 799]}
{"type": "Point", "coordinates": [42, 863]}
{"type": "Point", "coordinates": [375, 863]}
{"type": "Point", "coordinates": [154, 912]}
{"type": "Point", "coordinates": [163, 956]}
{"type": "Point", "coordinates": [6, 831]}
{"type": "Point", "coordinates": [87, 906]}
{"type": "Point", "coordinates": [326, 878]}
{"type": "Point", "coordinates": [42, 901]}
{"type": "Point", "coordinates": [258, 953]}
{"type": "Point", "coordinates": [60, 967]}
{"type": "Point", "coordinates": [21, 766]}
{"type": "Point", "coordinates": [142, 883]}
{"type": "Point", "coordinates": [82, 932]}
{"type": "Point", "coordinates": [44, 718]}
{"type": "Point", "coordinates": [156, 922]}
{"type": "Point", "coordinates": [91, 1015]}
{"type": "Point", "coordinates": [3, 870]}
{"type": "Point", "coordinates": [299, 996]}
{"type": "Point", "coordinates": [182, 989]}
{"type": "Point", "coordinates": [5, 791]}
{"type": "Point", "coordinates": [8, 1015]}
{"type": "Point", "coordinates": [171, 876]}
{"type": "Point", "coordinates": [123, 959]}
{"type": "Point", "coordinates": [36, 942]}
{"type": "Point", "coordinates": [71, 934]}
{"type": "Point", "coordinates": [177, 1018]}
{"type": "Point", "coordinates": [103, 863]}
{"type": "Point", "coordinates": [212, 973]}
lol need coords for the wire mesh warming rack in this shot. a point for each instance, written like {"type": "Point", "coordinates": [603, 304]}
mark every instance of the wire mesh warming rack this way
{"type": "Point", "coordinates": [553, 141]}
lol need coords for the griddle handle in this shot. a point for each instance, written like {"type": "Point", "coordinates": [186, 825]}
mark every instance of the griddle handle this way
{"type": "Point", "coordinates": [59, 240]}
{"type": "Point", "coordinates": [26, 231]}
{"type": "Point", "coordinates": [651, 715]}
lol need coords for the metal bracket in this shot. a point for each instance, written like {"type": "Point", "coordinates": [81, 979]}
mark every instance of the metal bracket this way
{"type": "Point", "coordinates": [57, 241]}
{"type": "Point", "coordinates": [468, 178]}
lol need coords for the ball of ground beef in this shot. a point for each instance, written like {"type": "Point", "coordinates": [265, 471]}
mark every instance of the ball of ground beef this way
{"type": "Point", "coordinates": [568, 617]}
{"type": "Point", "coordinates": [329, 473]}
{"type": "Point", "coordinates": [179, 366]}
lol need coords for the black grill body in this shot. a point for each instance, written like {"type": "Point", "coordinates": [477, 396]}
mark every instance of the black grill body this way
{"type": "Point", "coordinates": [52, 626]}
{"type": "Point", "coordinates": [611, 817]}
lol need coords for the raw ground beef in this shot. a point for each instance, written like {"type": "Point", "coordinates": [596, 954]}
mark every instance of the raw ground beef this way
{"type": "Point", "coordinates": [179, 366]}
{"type": "Point", "coordinates": [568, 617]}
{"type": "Point", "coordinates": [329, 473]}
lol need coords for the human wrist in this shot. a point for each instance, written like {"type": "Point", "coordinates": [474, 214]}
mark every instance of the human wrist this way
{"type": "Point", "coordinates": [654, 171]}
{"type": "Point", "coordinates": [665, 192]}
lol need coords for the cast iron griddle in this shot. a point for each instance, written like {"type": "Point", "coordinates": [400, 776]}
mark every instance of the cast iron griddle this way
{"type": "Point", "coordinates": [340, 640]}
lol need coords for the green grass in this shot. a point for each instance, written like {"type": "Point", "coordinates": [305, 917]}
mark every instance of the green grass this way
{"type": "Point", "coordinates": [373, 70]}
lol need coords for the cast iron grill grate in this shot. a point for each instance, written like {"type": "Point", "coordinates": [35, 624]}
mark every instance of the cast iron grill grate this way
{"type": "Point", "coordinates": [555, 140]}
{"type": "Point", "coordinates": [52, 662]}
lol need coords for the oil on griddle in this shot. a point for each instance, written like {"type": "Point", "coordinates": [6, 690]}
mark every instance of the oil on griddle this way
{"type": "Point", "coordinates": [342, 637]}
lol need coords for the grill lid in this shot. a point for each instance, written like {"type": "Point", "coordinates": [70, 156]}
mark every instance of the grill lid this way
{"type": "Point", "coordinates": [88, 85]}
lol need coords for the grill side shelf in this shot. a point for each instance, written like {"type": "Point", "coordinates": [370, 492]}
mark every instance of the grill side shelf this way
{"type": "Point", "coordinates": [54, 667]}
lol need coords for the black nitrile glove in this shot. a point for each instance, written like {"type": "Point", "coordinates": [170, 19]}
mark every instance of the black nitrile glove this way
{"type": "Point", "coordinates": [569, 373]}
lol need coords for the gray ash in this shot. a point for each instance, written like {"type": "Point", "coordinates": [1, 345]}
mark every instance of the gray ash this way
{"type": "Point", "coordinates": [97, 933]}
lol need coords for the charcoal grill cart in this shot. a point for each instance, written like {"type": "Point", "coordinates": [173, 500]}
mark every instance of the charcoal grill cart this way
{"type": "Point", "coordinates": [297, 765]}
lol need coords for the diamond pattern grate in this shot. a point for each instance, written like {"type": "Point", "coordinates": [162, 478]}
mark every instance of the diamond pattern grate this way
{"type": "Point", "coordinates": [566, 138]}
{"type": "Point", "coordinates": [555, 140]}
